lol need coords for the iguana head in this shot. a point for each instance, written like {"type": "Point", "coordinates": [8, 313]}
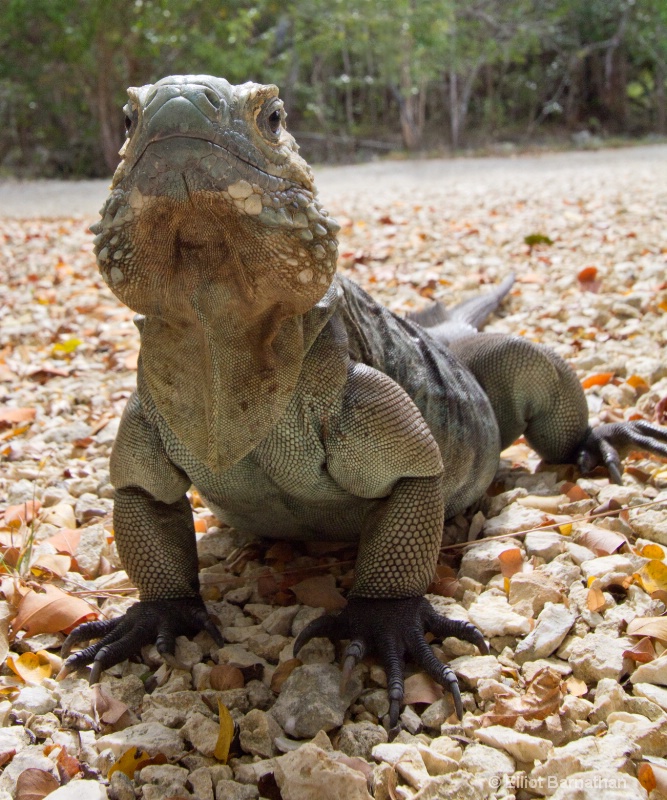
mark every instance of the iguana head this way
{"type": "Point", "coordinates": [212, 206]}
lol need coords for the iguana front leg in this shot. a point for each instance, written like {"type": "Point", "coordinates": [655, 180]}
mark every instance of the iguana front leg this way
{"type": "Point", "coordinates": [380, 447]}
{"type": "Point", "coordinates": [156, 542]}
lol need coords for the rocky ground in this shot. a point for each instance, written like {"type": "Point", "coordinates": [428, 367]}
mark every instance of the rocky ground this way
{"type": "Point", "coordinates": [572, 700]}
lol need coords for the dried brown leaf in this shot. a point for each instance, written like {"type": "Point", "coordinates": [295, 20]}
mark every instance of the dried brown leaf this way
{"type": "Point", "coordinates": [106, 708]}
{"type": "Point", "coordinates": [421, 688]}
{"type": "Point", "coordinates": [642, 652]}
{"type": "Point", "coordinates": [50, 611]}
{"type": "Point", "coordinates": [601, 541]}
{"type": "Point", "coordinates": [224, 676]}
{"type": "Point", "coordinates": [655, 627]}
{"type": "Point", "coordinates": [35, 784]}
{"type": "Point", "coordinates": [543, 698]}
{"type": "Point", "coordinates": [320, 592]}
{"type": "Point", "coordinates": [65, 541]}
{"type": "Point", "coordinates": [511, 562]}
{"type": "Point", "coordinates": [282, 673]}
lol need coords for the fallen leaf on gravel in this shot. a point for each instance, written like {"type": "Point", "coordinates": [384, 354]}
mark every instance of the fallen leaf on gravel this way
{"type": "Point", "coordinates": [65, 541]}
{"type": "Point", "coordinates": [542, 699]}
{"type": "Point", "coordinates": [21, 513]}
{"type": "Point", "coordinates": [595, 600]}
{"type": "Point", "coordinates": [50, 611]}
{"type": "Point", "coordinates": [601, 541]}
{"type": "Point", "coordinates": [106, 708]}
{"type": "Point", "coordinates": [653, 576]}
{"type": "Point", "coordinates": [587, 274]}
{"type": "Point", "coordinates": [535, 239]}
{"type": "Point", "coordinates": [655, 627]}
{"type": "Point", "coordinates": [319, 592]}
{"type": "Point", "coordinates": [421, 688]}
{"type": "Point", "coordinates": [642, 652]}
{"type": "Point", "coordinates": [445, 583]}
{"type": "Point", "coordinates": [598, 379]}
{"type": "Point", "coordinates": [224, 676]}
{"type": "Point", "coordinates": [646, 774]}
{"type": "Point", "coordinates": [576, 687]}
{"type": "Point", "coordinates": [6, 756]}
{"type": "Point", "coordinates": [225, 734]}
{"type": "Point", "coordinates": [653, 551]}
{"type": "Point", "coordinates": [35, 784]}
{"type": "Point", "coordinates": [638, 384]}
{"type": "Point", "coordinates": [282, 673]}
{"type": "Point", "coordinates": [32, 668]}
{"type": "Point", "coordinates": [511, 562]}
{"type": "Point", "coordinates": [135, 759]}
{"type": "Point", "coordinates": [68, 766]}
{"type": "Point", "coordinates": [8, 416]}
{"type": "Point", "coordinates": [51, 564]}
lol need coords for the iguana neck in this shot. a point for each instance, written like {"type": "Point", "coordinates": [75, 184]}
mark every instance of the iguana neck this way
{"type": "Point", "coordinates": [233, 373]}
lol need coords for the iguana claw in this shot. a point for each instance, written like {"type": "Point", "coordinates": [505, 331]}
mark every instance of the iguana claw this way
{"type": "Point", "coordinates": [158, 621]}
{"type": "Point", "coordinates": [394, 630]}
{"type": "Point", "coordinates": [601, 445]}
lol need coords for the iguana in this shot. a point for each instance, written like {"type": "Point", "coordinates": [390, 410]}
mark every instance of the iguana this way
{"type": "Point", "coordinates": [297, 405]}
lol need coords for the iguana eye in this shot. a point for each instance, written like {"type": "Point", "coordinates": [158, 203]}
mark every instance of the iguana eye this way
{"type": "Point", "coordinates": [274, 121]}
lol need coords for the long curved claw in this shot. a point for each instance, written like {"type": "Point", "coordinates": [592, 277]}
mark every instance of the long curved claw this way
{"type": "Point", "coordinates": [159, 621]}
{"type": "Point", "coordinates": [354, 652]}
{"type": "Point", "coordinates": [443, 627]}
{"type": "Point", "coordinates": [328, 626]}
{"type": "Point", "coordinates": [602, 445]}
{"type": "Point", "coordinates": [84, 633]}
{"type": "Point", "coordinates": [394, 630]}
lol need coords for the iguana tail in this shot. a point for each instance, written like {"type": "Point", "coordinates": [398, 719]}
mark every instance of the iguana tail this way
{"type": "Point", "coordinates": [464, 319]}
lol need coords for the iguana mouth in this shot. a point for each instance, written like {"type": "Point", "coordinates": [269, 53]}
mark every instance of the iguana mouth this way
{"type": "Point", "coordinates": [271, 182]}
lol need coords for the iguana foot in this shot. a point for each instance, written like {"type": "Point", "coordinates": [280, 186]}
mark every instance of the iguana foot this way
{"type": "Point", "coordinates": [159, 621]}
{"type": "Point", "coordinates": [602, 443]}
{"type": "Point", "coordinates": [394, 630]}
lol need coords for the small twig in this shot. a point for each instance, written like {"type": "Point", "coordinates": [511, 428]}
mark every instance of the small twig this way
{"type": "Point", "coordinates": [584, 518]}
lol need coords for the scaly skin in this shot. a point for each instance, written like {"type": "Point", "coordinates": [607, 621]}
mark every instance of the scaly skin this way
{"type": "Point", "coordinates": [296, 404]}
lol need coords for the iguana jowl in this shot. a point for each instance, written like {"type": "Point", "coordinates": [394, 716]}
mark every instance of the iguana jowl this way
{"type": "Point", "coordinates": [297, 405]}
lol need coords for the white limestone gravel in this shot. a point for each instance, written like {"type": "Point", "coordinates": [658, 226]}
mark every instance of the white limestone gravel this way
{"type": "Point", "coordinates": [410, 231]}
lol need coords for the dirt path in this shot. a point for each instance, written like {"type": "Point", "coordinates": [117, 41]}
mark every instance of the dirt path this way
{"type": "Point", "coordinates": [53, 198]}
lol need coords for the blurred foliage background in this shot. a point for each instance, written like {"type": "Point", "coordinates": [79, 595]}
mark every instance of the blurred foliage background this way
{"type": "Point", "coordinates": [358, 76]}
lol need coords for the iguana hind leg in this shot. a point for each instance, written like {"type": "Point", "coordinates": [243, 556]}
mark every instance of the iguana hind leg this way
{"type": "Point", "coordinates": [535, 393]}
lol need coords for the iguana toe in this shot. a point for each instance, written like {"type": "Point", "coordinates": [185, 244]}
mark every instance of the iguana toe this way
{"type": "Point", "coordinates": [146, 622]}
{"type": "Point", "coordinates": [602, 444]}
{"type": "Point", "coordinates": [394, 630]}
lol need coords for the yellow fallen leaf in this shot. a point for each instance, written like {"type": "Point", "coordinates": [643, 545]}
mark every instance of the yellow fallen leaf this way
{"type": "Point", "coordinates": [134, 759]}
{"type": "Point", "coordinates": [652, 551]}
{"type": "Point", "coordinates": [225, 734]}
{"type": "Point", "coordinates": [67, 347]}
{"type": "Point", "coordinates": [32, 668]}
{"type": "Point", "coordinates": [565, 529]}
{"type": "Point", "coordinates": [653, 576]}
